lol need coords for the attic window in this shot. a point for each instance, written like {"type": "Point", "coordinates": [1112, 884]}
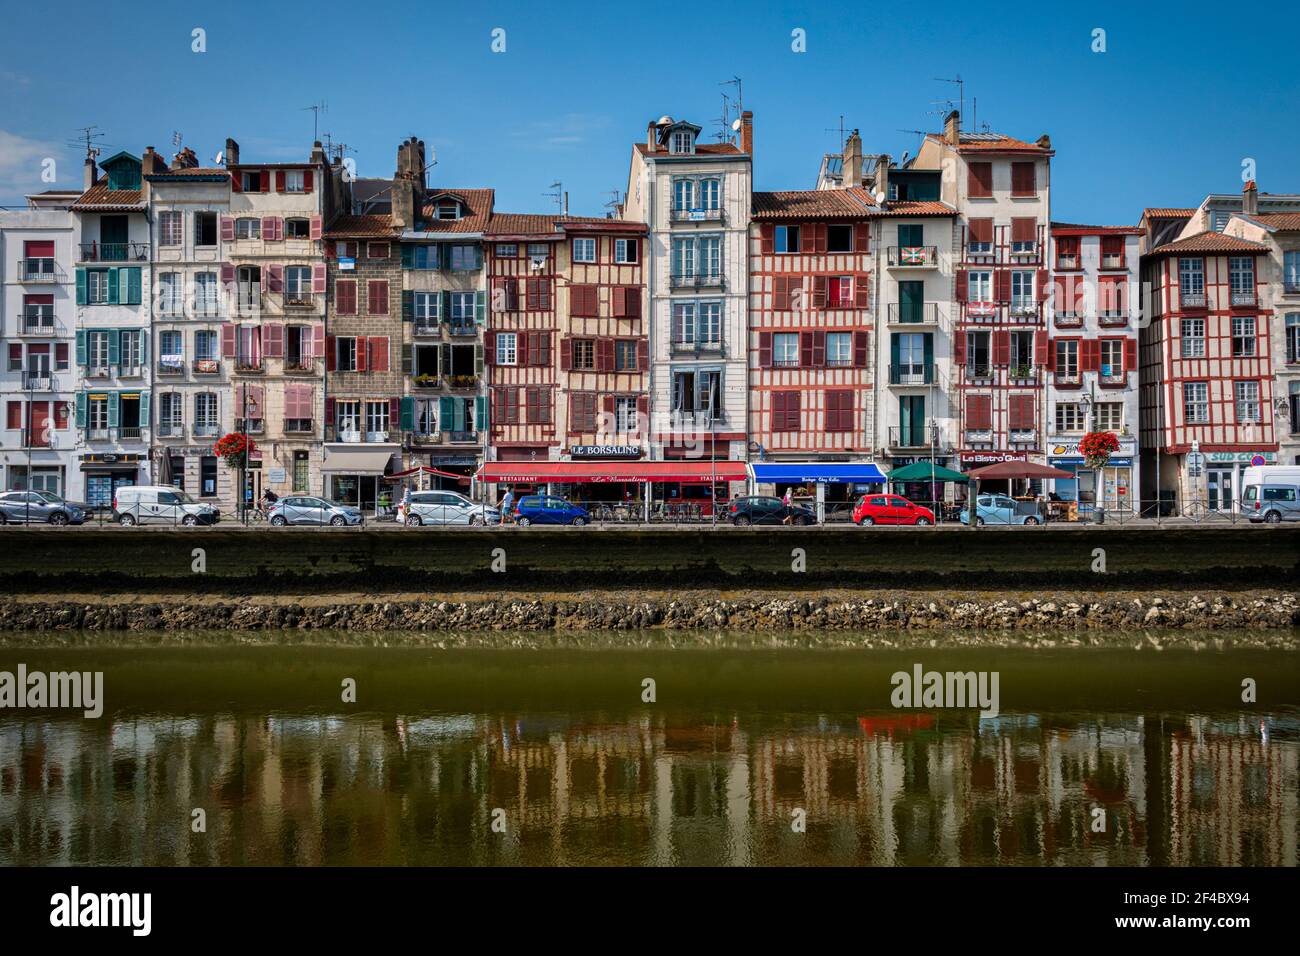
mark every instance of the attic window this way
{"type": "Point", "coordinates": [682, 142]}
{"type": "Point", "coordinates": [448, 209]}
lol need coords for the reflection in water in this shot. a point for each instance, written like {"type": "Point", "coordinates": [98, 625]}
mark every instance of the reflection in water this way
{"type": "Point", "coordinates": [649, 787]}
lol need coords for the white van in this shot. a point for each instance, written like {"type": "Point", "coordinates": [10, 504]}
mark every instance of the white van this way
{"type": "Point", "coordinates": [159, 504]}
{"type": "Point", "coordinates": [1271, 493]}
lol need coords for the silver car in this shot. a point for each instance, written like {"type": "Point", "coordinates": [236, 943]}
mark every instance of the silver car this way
{"type": "Point", "coordinates": [304, 509]}
{"type": "Point", "coordinates": [39, 506]}
{"type": "Point", "coordinates": [442, 508]}
{"type": "Point", "coordinates": [1272, 502]}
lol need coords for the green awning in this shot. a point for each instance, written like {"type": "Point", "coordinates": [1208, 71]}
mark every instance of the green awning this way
{"type": "Point", "coordinates": [925, 471]}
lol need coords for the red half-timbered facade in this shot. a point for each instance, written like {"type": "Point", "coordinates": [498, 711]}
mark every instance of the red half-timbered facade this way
{"type": "Point", "coordinates": [811, 322]}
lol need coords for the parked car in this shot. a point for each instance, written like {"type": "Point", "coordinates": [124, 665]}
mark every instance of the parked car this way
{"type": "Point", "coordinates": [997, 509]}
{"type": "Point", "coordinates": [890, 509]}
{"type": "Point", "coordinates": [1272, 502]}
{"type": "Point", "coordinates": [761, 509]}
{"type": "Point", "coordinates": [548, 509]}
{"type": "Point", "coordinates": [305, 509]}
{"type": "Point", "coordinates": [443, 507]}
{"type": "Point", "coordinates": [43, 506]}
{"type": "Point", "coordinates": [160, 504]}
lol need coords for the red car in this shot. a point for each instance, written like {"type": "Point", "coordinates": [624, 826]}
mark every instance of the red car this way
{"type": "Point", "coordinates": [890, 509]}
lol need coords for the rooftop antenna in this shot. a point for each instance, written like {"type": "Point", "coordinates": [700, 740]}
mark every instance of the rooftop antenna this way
{"type": "Point", "coordinates": [177, 138]}
{"type": "Point", "coordinates": [336, 151]}
{"type": "Point", "coordinates": [615, 200]}
{"type": "Point", "coordinates": [316, 110]}
{"type": "Point", "coordinates": [740, 93]}
{"type": "Point", "coordinates": [558, 195]}
{"type": "Point", "coordinates": [88, 137]}
{"type": "Point", "coordinates": [832, 129]}
{"type": "Point", "coordinates": [724, 121]}
{"type": "Point", "coordinates": [961, 89]}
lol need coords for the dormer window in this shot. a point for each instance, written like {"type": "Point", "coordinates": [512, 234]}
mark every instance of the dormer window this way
{"type": "Point", "coordinates": [448, 209]}
{"type": "Point", "coordinates": [682, 142]}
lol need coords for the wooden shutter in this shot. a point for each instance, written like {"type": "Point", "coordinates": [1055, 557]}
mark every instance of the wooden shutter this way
{"type": "Point", "coordinates": [643, 355]}
{"type": "Point", "coordinates": [1043, 349]}
{"type": "Point", "coordinates": [273, 346]}
{"type": "Point", "coordinates": [862, 290]}
{"type": "Point", "coordinates": [1001, 348]}
{"type": "Point", "coordinates": [566, 354]}
{"type": "Point", "coordinates": [1042, 285]}
{"type": "Point", "coordinates": [345, 297]}
{"type": "Point", "coordinates": [314, 227]}
{"type": "Point", "coordinates": [767, 234]}
{"type": "Point", "coordinates": [959, 347]}
{"type": "Point", "coordinates": [819, 238]}
{"type": "Point", "coordinates": [1130, 355]}
{"type": "Point", "coordinates": [1023, 179]}
{"type": "Point", "coordinates": [1002, 283]}
{"type": "Point", "coordinates": [275, 278]}
{"type": "Point", "coordinates": [379, 353]}
{"type": "Point", "coordinates": [318, 340]}
{"type": "Point", "coordinates": [619, 303]}
{"type": "Point", "coordinates": [308, 183]}
{"type": "Point", "coordinates": [979, 412]}
{"type": "Point", "coordinates": [331, 352]}
{"type": "Point", "coordinates": [268, 227]}
{"type": "Point", "coordinates": [227, 229]}
{"type": "Point", "coordinates": [318, 278]}
{"type": "Point", "coordinates": [279, 180]}
{"type": "Point", "coordinates": [1089, 355]}
{"type": "Point", "coordinates": [861, 237]}
{"type": "Point", "coordinates": [764, 349]}
{"type": "Point", "coordinates": [227, 340]}
{"type": "Point", "coordinates": [819, 292]}
{"type": "Point", "coordinates": [980, 180]}
{"type": "Point", "coordinates": [962, 286]}
{"type": "Point", "coordinates": [781, 293]}
{"type": "Point", "coordinates": [377, 296]}
{"type": "Point", "coordinates": [819, 349]}
{"type": "Point", "coordinates": [981, 230]}
{"type": "Point", "coordinates": [1023, 228]}
{"type": "Point", "coordinates": [805, 350]}
{"type": "Point", "coordinates": [604, 355]}
{"type": "Point", "coordinates": [793, 407]}
{"type": "Point", "coordinates": [861, 355]}
{"type": "Point", "coordinates": [1021, 411]}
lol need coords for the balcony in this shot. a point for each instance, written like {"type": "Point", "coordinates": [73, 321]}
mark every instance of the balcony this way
{"type": "Point", "coordinates": [1023, 310]}
{"type": "Point", "coordinates": [297, 426]}
{"type": "Point", "coordinates": [130, 433]}
{"type": "Point", "coordinates": [461, 437]}
{"type": "Point", "coordinates": [913, 257]}
{"type": "Point", "coordinates": [39, 270]}
{"type": "Point", "coordinates": [461, 329]}
{"type": "Point", "coordinates": [97, 371]}
{"type": "Point", "coordinates": [1070, 319]}
{"type": "Point", "coordinates": [425, 380]}
{"type": "Point", "coordinates": [702, 347]}
{"type": "Point", "coordinates": [1022, 374]}
{"type": "Point", "coordinates": [1066, 378]}
{"type": "Point", "coordinates": [695, 215]}
{"type": "Point", "coordinates": [1191, 300]}
{"type": "Point", "coordinates": [979, 371]}
{"type": "Point", "coordinates": [36, 323]}
{"type": "Point", "coordinates": [690, 418]}
{"type": "Point", "coordinates": [1291, 286]}
{"type": "Point", "coordinates": [426, 326]}
{"type": "Point", "coordinates": [914, 436]}
{"type": "Point", "coordinates": [250, 426]}
{"type": "Point", "coordinates": [130, 371]}
{"type": "Point", "coordinates": [207, 366]}
{"type": "Point", "coordinates": [979, 436]}
{"type": "Point", "coordinates": [1023, 436]}
{"type": "Point", "coordinates": [904, 374]}
{"type": "Point", "coordinates": [703, 280]}
{"type": "Point", "coordinates": [982, 310]}
{"type": "Point", "coordinates": [299, 366]}
{"type": "Point", "coordinates": [248, 366]}
{"type": "Point", "coordinates": [1242, 299]}
{"type": "Point", "coordinates": [1113, 380]}
{"type": "Point", "coordinates": [1067, 263]}
{"type": "Point", "coordinates": [1112, 318]}
{"type": "Point", "coordinates": [914, 313]}
{"type": "Point", "coordinates": [461, 381]}
{"type": "Point", "coordinates": [300, 300]}
{"type": "Point", "coordinates": [206, 430]}
{"type": "Point", "coordinates": [170, 430]}
{"type": "Point", "coordinates": [171, 366]}
{"type": "Point", "coordinates": [113, 252]}
{"type": "Point", "coordinates": [1025, 250]}
{"type": "Point", "coordinates": [97, 434]}
{"type": "Point", "coordinates": [37, 381]}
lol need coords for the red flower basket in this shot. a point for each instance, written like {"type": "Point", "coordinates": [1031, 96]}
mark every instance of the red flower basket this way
{"type": "Point", "coordinates": [1097, 447]}
{"type": "Point", "coordinates": [234, 448]}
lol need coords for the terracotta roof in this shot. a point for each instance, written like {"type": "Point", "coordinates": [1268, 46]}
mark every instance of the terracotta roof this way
{"type": "Point", "coordinates": [1065, 228]}
{"type": "Point", "coordinates": [993, 143]}
{"type": "Point", "coordinates": [193, 172]}
{"type": "Point", "coordinates": [100, 197]}
{"type": "Point", "coordinates": [363, 227]}
{"type": "Point", "coordinates": [521, 224]}
{"type": "Point", "coordinates": [1209, 241]}
{"type": "Point", "coordinates": [479, 202]}
{"type": "Point", "coordinates": [928, 207]}
{"type": "Point", "coordinates": [1167, 212]}
{"type": "Point", "coordinates": [701, 149]}
{"type": "Point", "coordinates": [1279, 221]}
{"type": "Point", "coordinates": [853, 203]}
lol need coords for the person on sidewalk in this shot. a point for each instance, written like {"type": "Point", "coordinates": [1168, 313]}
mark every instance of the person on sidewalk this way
{"type": "Point", "coordinates": [507, 507]}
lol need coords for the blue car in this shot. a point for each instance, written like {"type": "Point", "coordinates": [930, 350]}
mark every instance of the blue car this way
{"type": "Point", "coordinates": [997, 509]}
{"type": "Point", "coordinates": [548, 509]}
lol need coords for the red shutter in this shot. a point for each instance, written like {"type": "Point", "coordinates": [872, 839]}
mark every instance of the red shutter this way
{"type": "Point", "coordinates": [959, 348]}
{"type": "Point", "coordinates": [318, 277]}
{"type": "Point", "coordinates": [1041, 285]}
{"type": "Point", "coordinates": [819, 292]}
{"type": "Point", "coordinates": [1016, 418]}
{"type": "Point", "coordinates": [1024, 229]}
{"type": "Point", "coordinates": [227, 273]}
{"type": "Point", "coordinates": [308, 180]}
{"type": "Point", "coordinates": [318, 341]}
{"type": "Point", "coordinates": [605, 355]}
{"type": "Point", "coordinates": [268, 227]}
{"type": "Point", "coordinates": [805, 350]}
{"type": "Point", "coordinates": [394, 414]}
{"type": "Point", "coordinates": [1001, 348]}
{"type": "Point", "coordinates": [819, 349]}
{"type": "Point", "coordinates": [265, 179]}
{"type": "Point", "coordinates": [808, 239]}
{"type": "Point", "coordinates": [330, 353]}
{"type": "Point", "coordinates": [329, 411]}
{"type": "Point", "coordinates": [379, 353]}
{"type": "Point", "coordinates": [315, 227]}
{"type": "Point", "coordinates": [793, 406]}
{"type": "Point", "coordinates": [981, 230]}
{"type": "Point", "coordinates": [279, 180]}
{"type": "Point", "coordinates": [619, 302]}
{"type": "Point", "coordinates": [227, 340]}
{"type": "Point", "coordinates": [642, 410]}
{"type": "Point", "coordinates": [781, 293]}
{"type": "Point", "coordinates": [566, 354]}
{"type": "Point", "coordinates": [377, 297]}
{"type": "Point", "coordinates": [543, 349]}
{"type": "Point", "coordinates": [227, 229]}
{"type": "Point", "coordinates": [819, 237]}
{"type": "Point", "coordinates": [862, 290]}
{"type": "Point", "coordinates": [979, 412]}
{"type": "Point", "coordinates": [363, 353]}
{"type": "Point", "coordinates": [643, 355]}
{"type": "Point", "coordinates": [489, 348]}
{"type": "Point", "coordinates": [1023, 179]}
{"type": "Point", "coordinates": [764, 349]}
{"type": "Point", "coordinates": [1042, 350]}
{"type": "Point", "coordinates": [345, 296]}
{"type": "Point", "coordinates": [861, 355]}
{"type": "Point", "coordinates": [962, 284]}
{"type": "Point", "coordinates": [861, 237]}
{"type": "Point", "coordinates": [1002, 281]}
{"type": "Point", "coordinates": [273, 342]}
{"type": "Point", "coordinates": [767, 234]}
{"type": "Point", "coordinates": [1130, 355]}
{"type": "Point", "coordinates": [979, 181]}
{"type": "Point", "coordinates": [633, 301]}
{"type": "Point", "coordinates": [275, 280]}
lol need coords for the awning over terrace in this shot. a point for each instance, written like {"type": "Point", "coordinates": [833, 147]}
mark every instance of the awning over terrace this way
{"type": "Point", "coordinates": [815, 472]}
{"type": "Point", "coordinates": [605, 471]}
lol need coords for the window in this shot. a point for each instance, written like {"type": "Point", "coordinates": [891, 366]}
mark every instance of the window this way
{"type": "Point", "coordinates": [785, 349]}
{"type": "Point", "coordinates": [205, 345]}
{"type": "Point", "coordinates": [507, 250]}
{"type": "Point", "coordinates": [979, 241]}
{"type": "Point", "coordinates": [1243, 336]}
{"type": "Point", "coordinates": [301, 463]}
{"type": "Point", "coordinates": [208, 476]}
{"type": "Point", "coordinates": [171, 293]}
{"type": "Point", "coordinates": [1196, 402]}
{"type": "Point", "coordinates": [347, 417]}
{"type": "Point", "coordinates": [297, 284]}
{"type": "Point", "coordinates": [377, 250]}
{"type": "Point", "coordinates": [710, 193]}
{"type": "Point", "coordinates": [448, 209]}
{"type": "Point", "coordinates": [912, 347]}
{"type": "Point", "coordinates": [787, 240]}
{"type": "Point", "coordinates": [711, 256]}
{"type": "Point", "coordinates": [426, 308]}
{"type": "Point", "coordinates": [979, 287]}
{"type": "Point", "coordinates": [582, 412]}
{"type": "Point", "coordinates": [251, 182]}
{"type": "Point", "coordinates": [584, 354]}
{"type": "Point", "coordinates": [1023, 180]}
{"type": "Point", "coordinates": [1193, 338]}
{"type": "Point", "coordinates": [170, 225]}
{"type": "Point", "coordinates": [97, 349]}
{"type": "Point", "coordinates": [978, 355]}
{"type": "Point", "coordinates": [1069, 417]}
{"type": "Point", "coordinates": [786, 411]}
{"type": "Point", "coordinates": [1067, 252]}
{"type": "Point", "coordinates": [683, 257]}
{"type": "Point", "coordinates": [1024, 235]}
{"type": "Point", "coordinates": [171, 413]}
{"type": "Point", "coordinates": [682, 142]}
{"type": "Point", "coordinates": [1291, 271]}
{"type": "Point", "coordinates": [839, 292]}
{"type": "Point", "coordinates": [205, 414]}
{"type": "Point", "coordinates": [1293, 340]}
{"type": "Point", "coordinates": [683, 195]}
{"type": "Point", "coordinates": [377, 418]}
{"type": "Point", "coordinates": [96, 286]}
{"type": "Point", "coordinates": [697, 323]}
{"type": "Point", "coordinates": [206, 293]}
{"type": "Point", "coordinates": [1022, 291]}
{"type": "Point", "coordinates": [1108, 417]}
{"type": "Point", "coordinates": [462, 308]}
{"type": "Point", "coordinates": [584, 250]}
{"type": "Point", "coordinates": [298, 346]}
{"type": "Point", "coordinates": [1247, 395]}
{"type": "Point", "coordinates": [464, 258]}
{"type": "Point", "coordinates": [205, 228]}
{"type": "Point", "coordinates": [1112, 360]}
{"type": "Point", "coordinates": [839, 348]}
{"type": "Point", "coordinates": [979, 180]}
{"type": "Point", "coordinates": [839, 238]}
{"type": "Point", "coordinates": [248, 227]}
{"type": "Point", "coordinates": [698, 393]}
{"type": "Point", "coordinates": [171, 348]}
{"type": "Point", "coordinates": [625, 414]}
{"type": "Point", "coordinates": [295, 181]}
{"type": "Point", "coordinates": [1191, 280]}
{"type": "Point", "coordinates": [625, 250]}
{"type": "Point", "coordinates": [625, 355]}
{"type": "Point", "coordinates": [423, 257]}
{"type": "Point", "coordinates": [507, 348]}
{"type": "Point", "coordinates": [1022, 354]}
{"type": "Point", "coordinates": [377, 297]}
{"type": "Point", "coordinates": [839, 410]}
{"type": "Point", "coordinates": [539, 250]}
{"type": "Point", "coordinates": [1241, 277]}
{"type": "Point", "coordinates": [298, 229]}
{"type": "Point", "coordinates": [345, 353]}
{"type": "Point", "coordinates": [1067, 360]}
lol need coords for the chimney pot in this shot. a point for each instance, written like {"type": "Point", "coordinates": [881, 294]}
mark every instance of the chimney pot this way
{"type": "Point", "coordinates": [1250, 199]}
{"type": "Point", "coordinates": [232, 152]}
{"type": "Point", "coordinates": [91, 174]}
{"type": "Point", "coordinates": [747, 133]}
{"type": "Point", "coordinates": [952, 128]}
{"type": "Point", "coordinates": [650, 136]}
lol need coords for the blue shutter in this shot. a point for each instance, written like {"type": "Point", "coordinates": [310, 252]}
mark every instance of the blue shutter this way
{"type": "Point", "coordinates": [113, 409]}
{"type": "Point", "coordinates": [480, 413]}
{"type": "Point", "coordinates": [114, 347]}
{"type": "Point", "coordinates": [144, 347]}
{"type": "Point", "coordinates": [81, 409]}
{"type": "Point", "coordinates": [131, 285]}
{"type": "Point", "coordinates": [113, 290]}
{"type": "Point", "coordinates": [82, 355]}
{"type": "Point", "coordinates": [81, 287]}
{"type": "Point", "coordinates": [446, 413]}
{"type": "Point", "coordinates": [480, 307]}
{"type": "Point", "coordinates": [144, 409]}
{"type": "Point", "coordinates": [408, 257]}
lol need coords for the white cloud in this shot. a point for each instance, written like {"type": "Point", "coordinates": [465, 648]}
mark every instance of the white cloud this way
{"type": "Point", "coordinates": [562, 132]}
{"type": "Point", "coordinates": [22, 162]}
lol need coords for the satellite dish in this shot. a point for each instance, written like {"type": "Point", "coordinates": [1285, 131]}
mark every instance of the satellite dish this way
{"type": "Point", "coordinates": [735, 124]}
{"type": "Point", "coordinates": [880, 196]}
{"type": "Point", "coordinates": [220, 158]}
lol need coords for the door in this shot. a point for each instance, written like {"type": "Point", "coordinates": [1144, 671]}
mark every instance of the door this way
{"type": "Point", "coordinates": [168, 508]}
{"type": "Point", "coordinates": [1219, 489]}
{"type": "Point", "coordinates": [900, 510]}
{"type": "Point", "coordinates": [113, 235]}
{"type": "Point", "coordinates": [878, 509]}
{"type": "Point", "coordinates": [911, 301]}
{"type": "Point", "coordinates": [38, 367]}
{"type": "Point", "coordinates": [911, 420]}
{"type": "Point", "coordinates": [911, 236]}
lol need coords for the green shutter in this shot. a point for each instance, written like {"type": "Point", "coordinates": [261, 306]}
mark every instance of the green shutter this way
{"type": "Point", "coordinates": [144, 409]}
{"type": "Point", "coordinates": [144, 347]}
{"type": "Point", "coordinates": [929, 357]}
{"type": "Point", "coordinates": [408, 257]}
{"type": "Point", "coordinates": [408, 360]}
{"type": "Point", "coordinates": [81, 287]}
{"type": "Point", "coordinates": [478, 357]}
{"type": "Point", "coordinates": [408, 303]}
{"type": "Point", "coordinates": [480, 307]}
{"type": "Point", "coordinates": [113, 286]}
{"type": "Point", "coordinates": [406, 415]}
{"type": "Point", "coordinates": [130, 285]}
{"type": "Point", "coordinates": [893, 358]}
{"type": "Point", "coordinates": [446, 414]}
{"type": "Point", "coordinates": [480, 413]}
{"type": "Point", "coordinates": [82, 355]}
{"type": "Point", "coordinates": [114, 405]}
{"type": "Point", "coordinates": [114, 347]}
{"type": "Point", "coordinates": [81, 409]}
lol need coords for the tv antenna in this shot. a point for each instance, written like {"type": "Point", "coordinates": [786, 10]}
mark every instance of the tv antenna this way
{"type": "Point", "coordinates": [316, 110]}
{"type": "Point", "coordinates": [558, 195]}
{"type": "Point", "coordinates": [961, 89]}
{"type": "Point", "coordinates": [88, 138]}
{"type": "Point", "coordinates": [724, 121]}
{"type": "Point", "coordinates": [177, 138]}
{"type": "Point", "coordinates": [740, 93]}
{"type": "Point", "coordinates": [336, 151]}
{"type": "Point", "coordinates": [831, 129]}
{"type": "Point", "coordinates": [615, 200]}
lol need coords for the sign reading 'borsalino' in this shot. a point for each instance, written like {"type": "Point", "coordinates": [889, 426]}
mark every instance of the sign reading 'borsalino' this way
{"type": "Point", "coordinates": [77, 690]}
{"type": "Point", "coordinates": [605, 451]}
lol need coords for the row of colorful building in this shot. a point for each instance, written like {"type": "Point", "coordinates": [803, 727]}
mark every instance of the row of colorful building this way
{"type": "Point", "coordinates": [363, 331]}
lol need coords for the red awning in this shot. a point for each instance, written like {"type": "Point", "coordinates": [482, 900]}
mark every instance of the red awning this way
{"type": "Point", "coordinates": [601, 471]}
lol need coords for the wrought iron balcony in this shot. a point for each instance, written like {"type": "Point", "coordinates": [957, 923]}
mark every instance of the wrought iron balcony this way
{"type": "Point", "coordinates": [913, 436]}
{"type": "Point", "coordinates": [913, 257]}
{"type": "Point", "coordinates": [36, 323]}
{"type": "Point", "coordinates": [911, 374]}
{"type": "Point", "coordinates": [1191, 300]}
{"type": "Point", "coordinates": [37, 381]}
{"type": "Point", "coordinates": [695, 215]}
{"type": "Point", "coordinates": [113, 252]}
{"type": "Point", "coordinates": [39, 270]}
{"type": "Point", "coordinates": [700, 347]}
{"type": "Point", "coordinates": [914, 313]}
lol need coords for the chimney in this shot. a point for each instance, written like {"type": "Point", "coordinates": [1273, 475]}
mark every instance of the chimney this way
{"type": "Point", "coordinates": [418, 164]}
{"type": "Point", "coordinates": [882, 176]}
{"type": "Point", "coordinates": [232, 152]}
{"type": "Point", "coordinates": [650, 136]}
{"type": "Point", "coordinates": [952, 128]}
{"type": "Point", "coordinates": [318, 155]}
{"type": "Point", "coordinates": [403, 202]}
{"type": "Point", "coordinates": [747, 132]}
{"type": "Point", "coordinates": [92, 173]}
{"type": "Point", "coordinates": [152, 163]}
{"type": "Point", "coordinates": [1250, 199]}
{"type": "Point", "coordinates": [1044, 142]}
{"type": "Point", "coordinates": [853, 160]}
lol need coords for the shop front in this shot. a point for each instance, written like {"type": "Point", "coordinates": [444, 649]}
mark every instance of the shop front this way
{"type": "Point", "coordinates": [1114, 487]}
{"type": "Point", "coordinates": [970, 460]}
{"type": "Point", "coordinates": [829, 488]}
{"type": "Point", "coordinates": [354, 474]}
{"type": "Point", "coordinates": [1222, 472]}
{"type": "Point", "coordinates": [105, 473]}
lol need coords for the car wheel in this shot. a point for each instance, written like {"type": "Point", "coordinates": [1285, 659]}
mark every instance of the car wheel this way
{"type": "Point", "coordinates": [279, 520]}
{"type": "Point", "coordinates": [1031, 521]}
{"type": "Point", "coordinates": [979, 522]}
{"type": "Point", "coordinates": [1273, 517]}
{"type": "Point", "coordinates": [579, 521]}
{"type": "Point", "coordinates": [478, 521]}
{"type": "Point", "coordinates": [742, 521]}
{"type": "Point", "coordinates": [922, 521]}
{"type": "Point", "coordinates": [523, 521]}
{"type": "Point", "coordinates": [58, 518]}
{"type": "Point", "coordinates": [338, 521]}
{"type": "Point", "coordinates": [867, 521]}
{"type": "Point", "coordinates": [126, 520]}
{"type": "Point", "coordinates": [413, 521]}
{"type": "Point", "coordinates": [803, 521]}
{"type": "Point", "coordinates": [189, 521]}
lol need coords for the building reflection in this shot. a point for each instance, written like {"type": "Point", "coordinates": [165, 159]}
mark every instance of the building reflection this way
{"type": "Point", "coordinates": [877, 790]}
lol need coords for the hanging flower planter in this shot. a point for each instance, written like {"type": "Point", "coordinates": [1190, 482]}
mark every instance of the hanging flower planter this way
{"type": "Point", "coordinates": [234, 448]}
{"type": "Point", "coordinates": [1097, 447]}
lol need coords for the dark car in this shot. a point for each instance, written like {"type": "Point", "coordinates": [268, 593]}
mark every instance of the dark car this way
{"type": "Point", "coordinates": [760, 509]}
{"type": "Point", "coordinates": [39, 506]}
{"type": "Point", "coordinates": [548, 509]}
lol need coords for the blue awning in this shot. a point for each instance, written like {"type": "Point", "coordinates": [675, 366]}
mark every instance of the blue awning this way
{"type": "Point", "coordinates": [817, 472]}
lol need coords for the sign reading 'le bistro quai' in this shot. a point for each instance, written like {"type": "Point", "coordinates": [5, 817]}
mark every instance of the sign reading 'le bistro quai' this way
{"type": "Point", "coordinates": [605, 451]}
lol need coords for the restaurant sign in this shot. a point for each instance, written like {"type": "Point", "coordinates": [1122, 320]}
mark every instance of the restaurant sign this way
{"type": "Point", "coordinates": [605, 451]}
{"type": "Point", "coordinates": [992, 457]}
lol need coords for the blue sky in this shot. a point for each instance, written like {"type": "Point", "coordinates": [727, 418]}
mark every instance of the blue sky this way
{"type": "Point", "coordinates": [1183, 94]}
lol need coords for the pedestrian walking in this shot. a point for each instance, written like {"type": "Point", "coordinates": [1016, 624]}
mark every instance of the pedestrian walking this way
{"type": "Point", "coordinates": [507, 507]}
